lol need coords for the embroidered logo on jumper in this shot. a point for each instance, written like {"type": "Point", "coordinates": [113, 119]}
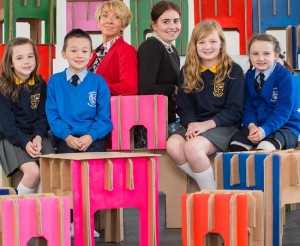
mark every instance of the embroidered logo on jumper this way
{"type": "Point", "coordinates": [35, 100]}
{"type": "Point", "coordinates": [218, 89]}
{"type": "Point", "coordinates": [92, 98]}
{"type": "Point", "coordinates": [275, 95]}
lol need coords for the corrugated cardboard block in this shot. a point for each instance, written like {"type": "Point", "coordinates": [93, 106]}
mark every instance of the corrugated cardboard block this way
{"type": "Point", "coordinates": [81, 14]}
{"type": "Point", "coordinates": [93, 190]}
{"type": "Point", "coordinates": [230, 214]}
{"type": "Point", "coordinates": [36, 215]}
{"type": "Point", "coordinates": [233, 15]}
{"type": "Point", "coordinates": [149, 111]}
{"type": "Point", "coordinates": [173, 183]}
{"type": "Point", "coordinates": [276, 173]}
{"type": "Point", "coordinates": [15, 11]}
{"type": "Point", "coordinates": [266, 177]}
{"type": "Point", "coordinates": [56, 178]}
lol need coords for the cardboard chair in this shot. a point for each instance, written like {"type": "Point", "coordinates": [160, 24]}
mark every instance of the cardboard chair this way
{"type": "Point", "coordinates": [230, 214]}
{"type": "Point", "coordinates": [233, 14]}
{"type": "Point", "coordinates": [14, 11]}
{"type": "Point", "coordinates": [173, 183]}
{"type": "Point", "coordinates": [108, 180]}
{"type": "Point", "coordinates": [81, 14]}
{"type": "Point", "coordinates": [56, 178]}
{"type": "Point", "coordinates": [36, 215]}
{"type": "Point", "coordinates": [147, 110]}
{"type": "Point", "coordinates": [255, 171]}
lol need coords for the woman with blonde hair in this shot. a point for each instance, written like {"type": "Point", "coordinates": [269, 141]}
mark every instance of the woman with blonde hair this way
{"type": "Point", "coordinates": [209, 103]}
{"type": "Point", "coordinates": [115, 59]}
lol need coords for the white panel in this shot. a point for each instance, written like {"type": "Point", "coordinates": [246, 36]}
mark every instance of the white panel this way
{"type": "Point", "coordinates": [232, 42]}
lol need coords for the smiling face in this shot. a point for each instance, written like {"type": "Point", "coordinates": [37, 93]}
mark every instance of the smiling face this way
{"type": "Point", "coordinates": [168, 25]}
{"type": "Point", "coordinates": [208, 49]}
{"type": "Point", "coordinates": [78, 53]}
{"type": "Point", "coordinates": [262, 55]}
{"type": "Point", "coordinates": [23, 60]}
{"type": "Point", "coordinates": [110, 24]}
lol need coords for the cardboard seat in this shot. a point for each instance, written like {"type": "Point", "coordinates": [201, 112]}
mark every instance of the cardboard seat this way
{"type": "Point", "coordinates": [230, 214]}
{"type": "Point", "coordinates": [275, 173]}
{"type": "Point", "coordinates": [147, 110]}
{"type": "Point", "coordinates": [109, 180]}
{"type": "Point", "coordinates": [35, 215]}
{"type": "Point", "coordinates": [13, 11]}
{"type": "Point", "coordinates": [81, 14]}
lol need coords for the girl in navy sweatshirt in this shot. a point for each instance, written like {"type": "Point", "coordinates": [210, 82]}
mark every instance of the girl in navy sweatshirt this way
{"type": "Point", "coordinates": [209, 103]}
{"type": "Point", "coordinates": [271, 118]}
{"type": "Point", "coordinates": [23, 122]}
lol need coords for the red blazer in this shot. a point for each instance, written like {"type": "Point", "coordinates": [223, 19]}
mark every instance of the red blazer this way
{"type": "Point", "coordinates": [119, 68]}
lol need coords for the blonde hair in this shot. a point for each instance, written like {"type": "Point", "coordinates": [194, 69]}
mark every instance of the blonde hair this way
{"type": "Point", "coordinates": [193, 62]}
{"type": "Point", "coordinates": [119, 8]}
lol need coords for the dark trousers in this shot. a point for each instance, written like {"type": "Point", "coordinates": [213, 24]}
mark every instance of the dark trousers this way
{"type": "Point", "coordinates": [96, 146]}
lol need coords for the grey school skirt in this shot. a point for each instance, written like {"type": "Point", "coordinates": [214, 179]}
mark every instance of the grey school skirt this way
{"type": "Point", "coordinates": [11, 156]}
{"type": "Point", "coordinates": [219, 136]}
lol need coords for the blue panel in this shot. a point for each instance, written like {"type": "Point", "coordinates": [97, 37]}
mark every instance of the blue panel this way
{"type": "Point", "coordinates": [280, 20]}
{"type": "Point", "coordinates": [297, 79]}
{"type": "Point", "coordinates": [259, 183]}
{"type": "Point", "coordinates": [259, 171]}
{"type": "Point", "coordinates": [276, 200]}
{"type": "Point", "coordinates": [4, 192]}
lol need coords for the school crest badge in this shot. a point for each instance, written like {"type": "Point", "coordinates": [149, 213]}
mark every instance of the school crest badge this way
{"type": "Point", "coordinates": [218, 89]}
{"type": "Point", "coordinates": [35, 100]}
{"type": "Point", "coordinates": [275, 95]}
{"type": "Point", "coordinates": [92, 99]}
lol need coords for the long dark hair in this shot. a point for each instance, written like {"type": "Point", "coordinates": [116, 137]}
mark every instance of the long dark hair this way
{"type": "Point", "coordinates": [8, 87]}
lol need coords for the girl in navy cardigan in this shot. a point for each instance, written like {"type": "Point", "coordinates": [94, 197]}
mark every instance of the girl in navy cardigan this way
{"type": "Point", "coordinates": [209, 103]}
{"type": "Point", "coordinates": [271, 118]}
{"type": "Point", "coordinates": [23, 122]}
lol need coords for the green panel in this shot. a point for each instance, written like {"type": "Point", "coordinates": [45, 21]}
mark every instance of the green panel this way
{"type": "Point", "coordinates": [18, 10]}
{"type": "Point", "coordinates": [141, 10]}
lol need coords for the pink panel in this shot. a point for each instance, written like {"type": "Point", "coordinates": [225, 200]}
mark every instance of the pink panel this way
{"type": "Point", "coordinates": [82, 15]}
{"type": "Point", "coordinates": [147, 110]}
{"type": "Point", "coordinates": [90, 194]}
{"type": "Point", "coordinates": [25, 213]}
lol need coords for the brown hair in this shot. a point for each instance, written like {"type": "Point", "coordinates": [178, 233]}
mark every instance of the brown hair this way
{"type": "Point", "coordinates": [162, 6]}
{"type": "Point", "coordinates": [192, 75]}
{"type": "Point", "coordinates": [8, 87]}
{"type": "Point", "coordinates": [276, 47]}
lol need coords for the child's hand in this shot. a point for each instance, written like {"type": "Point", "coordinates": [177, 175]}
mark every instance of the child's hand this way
{"type": "Point", "coordinates": [195, 128]}
{"type": "Point", "coordinates": [37, 143]}
{"type": "Point", "coordinates": [85, 142]}
{"type": "Point", "coordinates": [255, 134]}
{"type": "Point", "coordinates": [73, 142]}
{"type": "Point", "coordinates": [31, 150]}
